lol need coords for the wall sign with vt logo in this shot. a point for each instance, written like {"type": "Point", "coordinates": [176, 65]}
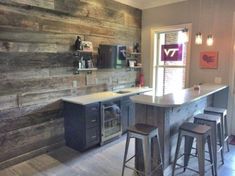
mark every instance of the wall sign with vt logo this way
{"type": "Point", "coordinates": [172, 52]}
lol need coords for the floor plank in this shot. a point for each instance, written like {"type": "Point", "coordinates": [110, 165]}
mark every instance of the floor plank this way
{"type": "Point", "coordinates": [101, 161]}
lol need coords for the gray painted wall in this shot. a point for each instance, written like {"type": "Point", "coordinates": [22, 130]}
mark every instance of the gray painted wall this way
{"type": "Point", "coordinates": [216, 16]}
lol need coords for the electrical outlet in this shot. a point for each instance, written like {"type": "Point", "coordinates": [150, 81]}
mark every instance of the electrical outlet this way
{"type": "Point", "coordinates": [218, 80]}
{"type": "Point", "coordinates": [75, 84]}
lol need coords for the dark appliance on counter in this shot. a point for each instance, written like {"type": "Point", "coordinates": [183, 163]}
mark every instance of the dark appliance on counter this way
{"type": "Point", "coordinates": [111, 126]}
{"type": "Point", "coordinates": [111, 56]}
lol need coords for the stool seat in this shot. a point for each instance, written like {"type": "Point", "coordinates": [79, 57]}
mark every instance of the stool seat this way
{"type": "Point", "coordinates": [208, 117]}
{"type": "Point", "coordinates": [202, 134]}
{"type": "Point", "coordinates": [141, 128]}
{"type": "Point", "coordinates": [223, 114]}
{"type": "Point", "coordinates": [216, 110]}
{"type": "Point", "coordinates": [145, 133]}
{"type": "Point", "coordinates": [195, 128]}
{"type": "Point", "coordinates": [214, 121]}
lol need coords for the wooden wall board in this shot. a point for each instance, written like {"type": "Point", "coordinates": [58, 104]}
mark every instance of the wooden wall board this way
{"type": "Point", "coordinates": [11, 62]}
{"type": "Point", "coordinates": [92, 9]}
{"type": "Point", "coordinates": [10, 124]}
{"type": "Point", "coordinates": [33, 153]}
{"type": "Point", "coordinates": [48, 4]}
{"type": "Point", "coordinates": [37, 84]}
{"type": "Point", "coordinates": [35, 37]}
{"type": "Point", "coordinates": [8, 101]}
{"type": "Point", "coordinates": [26, 139]}
{"type": "Point", "coordinates": [49, 22]}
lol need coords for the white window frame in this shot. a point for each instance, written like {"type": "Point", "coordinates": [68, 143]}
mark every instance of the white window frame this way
{"type": "Point", "coordinates": [154, 63]}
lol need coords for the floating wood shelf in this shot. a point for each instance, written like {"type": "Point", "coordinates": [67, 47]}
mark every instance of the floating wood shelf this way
{"type": "Point", "coordinates": [136, 67]}
{"type": "Point", "coordinates": [84, 51]}
{"type": "Point", "coordinates": [135, 53]}
{"type": "Point", "coordinates": [88, 70]}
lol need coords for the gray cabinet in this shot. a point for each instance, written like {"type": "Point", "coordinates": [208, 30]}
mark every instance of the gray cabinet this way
{"type": "Point", "coordinates": [127, 113]}
{"type": "Point", "coordinates": [82, 125]}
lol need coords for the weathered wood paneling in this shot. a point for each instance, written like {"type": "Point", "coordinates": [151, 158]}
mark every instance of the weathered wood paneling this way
{"type": "Point", "coordinates": [36, 65]}
{"type": "Point", "coordinates": [24, 140]}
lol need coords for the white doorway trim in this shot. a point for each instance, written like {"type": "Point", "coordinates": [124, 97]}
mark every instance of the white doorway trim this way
{"type": "Point", "coordinates": [231, 101]}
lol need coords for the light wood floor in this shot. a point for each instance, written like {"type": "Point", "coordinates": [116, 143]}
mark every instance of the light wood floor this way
{"type": "Point", "coordinates": [101, 161]}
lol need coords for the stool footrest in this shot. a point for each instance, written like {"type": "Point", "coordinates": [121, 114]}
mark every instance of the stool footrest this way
{"type": "Point", "coordinates": [187, 168]}
{"type": "Point", "coordinates": [145, 133]}
{"type": "Point", "coordinates": [129, 159]}
{"type": "Point", "coordinates": [193, 155]}
{"type": "Point", "coordinates": [132, 168]}
{"type": "Point", "coordinates": [226, 138]}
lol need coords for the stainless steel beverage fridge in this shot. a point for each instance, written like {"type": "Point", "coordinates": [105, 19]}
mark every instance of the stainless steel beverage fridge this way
{"type": "Point", "coordinates": [110, 120]}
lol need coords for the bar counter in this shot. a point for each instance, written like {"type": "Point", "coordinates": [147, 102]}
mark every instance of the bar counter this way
{"type": "Point", "coordinates": [168, 112]}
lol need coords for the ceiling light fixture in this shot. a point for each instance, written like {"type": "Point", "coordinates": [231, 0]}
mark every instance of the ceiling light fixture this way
{"type": "Point", "coordinates": [185, 36]}
{"type": "Point", "coordinates": [210, 40]}
{"type": "Point", "coordinates": [198, 37]}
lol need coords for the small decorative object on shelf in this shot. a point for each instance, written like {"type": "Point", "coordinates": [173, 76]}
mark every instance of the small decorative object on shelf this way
{"type": "Point", "coordinates": [196, 87]}
{"type": "Point", "coordinates": [136, 48]}
{"type": "Point", "coordinates": [78, 43]}
{"type": "Point", "coordinates": [132, 63]}
{"type": "Point", "coordinates": [84, 63]}
{"type": "Point", "coordinates": [83, 56]}
{"type": "Point", "coordinates": [87, 46]}
{"type": "Point", "coordinates": [134, 57]}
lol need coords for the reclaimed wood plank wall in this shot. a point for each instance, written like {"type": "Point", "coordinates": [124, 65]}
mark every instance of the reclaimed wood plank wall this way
{"type": "Point", "coordinates": [36, 65]}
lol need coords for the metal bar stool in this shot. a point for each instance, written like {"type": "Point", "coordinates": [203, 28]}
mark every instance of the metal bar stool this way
{"type": "Point", "coordinates": [223, 114]}
{"type": "Point", "coordinates": [145, 133]}
{"type": "Point", "coordinates": [202, 133]}
{"type": "Point", "coordinates": [214, 122]}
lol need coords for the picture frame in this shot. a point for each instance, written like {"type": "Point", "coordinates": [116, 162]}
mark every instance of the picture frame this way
{"type": "Point", "coordinates": [209, 60]}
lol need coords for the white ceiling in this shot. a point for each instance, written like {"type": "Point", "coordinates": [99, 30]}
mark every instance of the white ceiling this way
{"type": "Point", "coordinates": [145, 4]}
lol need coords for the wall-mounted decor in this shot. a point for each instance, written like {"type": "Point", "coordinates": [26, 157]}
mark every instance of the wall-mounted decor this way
{"type": "Point", "coordinates": [209, 59]}
{"type": "Point", "coordinates": [172, 52]}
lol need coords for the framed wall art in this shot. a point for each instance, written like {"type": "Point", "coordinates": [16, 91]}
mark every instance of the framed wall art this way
{"type": "Point", "coordinates": [209, 59]}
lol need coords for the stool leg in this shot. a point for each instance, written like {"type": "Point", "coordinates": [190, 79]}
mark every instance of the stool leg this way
{"type": "Point", "coordinates": [226, 131]}
{"type": "Point", "coordinates": [222, 128]}
{"type": "Point", "coordinates": [201, 155]}
{"type": "Point", "coordinates": [221, 141]}
{"type": "Point", "coordinates": [209, 142]}
{"type": "Point", "coordinates": [147, 155]}
{"type": "Point", "coordinates": [214, 143]}
{"type": "Point", "coordinates": [126, 152]}
{"type": "Point", "coordinates": [176, 152]}
{"type": "Point", "coordinates": [187, 150]}
{"type": "Point", "coordinates": [159, 154]}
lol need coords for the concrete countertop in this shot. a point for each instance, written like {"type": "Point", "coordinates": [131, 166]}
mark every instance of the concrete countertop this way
{"type": "Point", "coordinates": [178, 98]}
{"type": "Point", "coordinates": [104, 96]}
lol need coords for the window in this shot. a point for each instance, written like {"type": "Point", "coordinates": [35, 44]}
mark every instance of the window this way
{"type": "Point", "coordinates": [170, 75]}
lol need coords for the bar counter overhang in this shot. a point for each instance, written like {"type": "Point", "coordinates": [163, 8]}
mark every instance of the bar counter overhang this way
{"type": "Point", "coordinates": [168, 112]}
